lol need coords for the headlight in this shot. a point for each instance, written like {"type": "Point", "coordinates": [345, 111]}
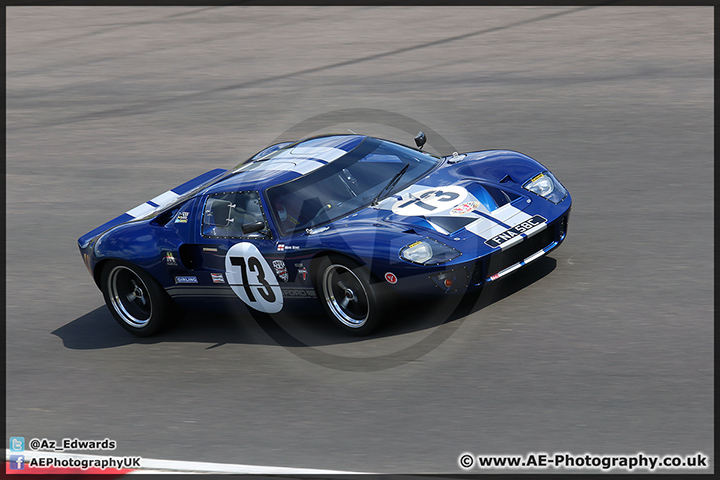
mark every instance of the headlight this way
{"type": "Point", "coordinates": [547, 186]}
{"type": "Point", "coordinates": [428, 252]}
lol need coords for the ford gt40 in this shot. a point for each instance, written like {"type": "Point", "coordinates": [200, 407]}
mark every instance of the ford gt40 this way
{"type": "Point", "coordinates": [352, 221]}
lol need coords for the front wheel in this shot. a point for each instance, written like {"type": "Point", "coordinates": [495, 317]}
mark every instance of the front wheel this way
{"type": "Point", "coordinates": [347, 295]}
{"type": "Point", "coordinates": [136, 300]}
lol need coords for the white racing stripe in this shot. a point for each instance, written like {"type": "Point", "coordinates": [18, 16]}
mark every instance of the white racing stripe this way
{"type": "Point", "coordinates": [327, 154]}
{"type": "Point", "coordinates": [141, 210]}
{"type": "Point", "coordinates": [151, 465]}
{"type": "Point", "coordinates": [307, 159]}
{"type": "Point", "coordinates": [485, 228]}
{"type": "Point", "coordinates": [165, 198]}
{"type": "Point", "coordinates": [161, 200]}
{"type": "Point", "coordinates": [507, 214]}
{"type": "Point", "coordinates": [510, 269]}
{"type": "Point", "coordinates": [510, 215]}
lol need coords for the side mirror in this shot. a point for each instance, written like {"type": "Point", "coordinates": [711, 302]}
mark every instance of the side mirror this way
{"type": "Point", "coordinates": [420, 139]}
{"type": "Point", "coordinates": [252, 227]}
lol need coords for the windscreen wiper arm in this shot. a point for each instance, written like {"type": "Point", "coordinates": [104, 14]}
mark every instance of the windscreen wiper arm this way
{"type": "Point", "coordinates": [393, 181]}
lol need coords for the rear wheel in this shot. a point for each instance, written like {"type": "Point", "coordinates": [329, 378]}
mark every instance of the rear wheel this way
{"type": "Point", "coordinates": [136, 300]}
{"type": "Point", "coordinates": [348, 296]}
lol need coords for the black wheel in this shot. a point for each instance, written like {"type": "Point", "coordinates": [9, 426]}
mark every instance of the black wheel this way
{"type": "Point", "coordinates": [136, 300]}
{"type": "Point", "coordinates": [348, 296]}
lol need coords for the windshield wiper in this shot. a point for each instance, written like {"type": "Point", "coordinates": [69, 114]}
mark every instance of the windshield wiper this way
{"type": "Point", "coordinates": [393, 181]}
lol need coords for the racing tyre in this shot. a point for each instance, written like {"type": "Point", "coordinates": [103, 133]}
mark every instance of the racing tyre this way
{"type": "Point", "coordinates": [348, 296]}
{"type": "Point", "coordinates": [136, 300]}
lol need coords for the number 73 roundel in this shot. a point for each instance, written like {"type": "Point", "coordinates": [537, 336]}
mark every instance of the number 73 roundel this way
{"type": "Point", "coordinates": [252, 279]}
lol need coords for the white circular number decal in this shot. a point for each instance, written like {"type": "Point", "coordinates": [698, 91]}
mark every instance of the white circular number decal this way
{"type": "Point", "coordinates": [252, 279]}
{"type": "Point", "coordinates": [430, 201]}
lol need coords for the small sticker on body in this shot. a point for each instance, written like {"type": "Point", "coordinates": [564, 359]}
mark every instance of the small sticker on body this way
{"type": "Point", "coordinates": [464, 208]}
{"type": "Point", "coordinates": [186, 279]}
{"type": "Point", "coordinates": [302, 270]}
{"type": "Point", "coordinates": [391, 278]}
{"type": "Point", "coordinates": [281, 270]}
{"type": "Point", "coordinates": [170, 259]}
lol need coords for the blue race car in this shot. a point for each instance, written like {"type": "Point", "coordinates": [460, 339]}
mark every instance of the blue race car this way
{"type": "Point", "coordinates": [353, 221]}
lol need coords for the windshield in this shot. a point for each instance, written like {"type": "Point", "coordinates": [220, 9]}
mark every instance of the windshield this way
{"type": "Point", "coordinates": [346, 184]}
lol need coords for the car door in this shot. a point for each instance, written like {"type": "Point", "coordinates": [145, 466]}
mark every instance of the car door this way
{"type": "Point", "coordinates": [233, 235]}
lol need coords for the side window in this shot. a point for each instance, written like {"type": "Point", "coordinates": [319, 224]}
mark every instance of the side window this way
{"type": "Point", "coordinates": [224, 215]}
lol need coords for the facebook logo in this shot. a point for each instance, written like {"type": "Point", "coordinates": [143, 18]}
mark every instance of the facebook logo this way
{"type": "Point", "coordinates": [17, 462]}
{"type": "Point", "coordinates": [17, 444]}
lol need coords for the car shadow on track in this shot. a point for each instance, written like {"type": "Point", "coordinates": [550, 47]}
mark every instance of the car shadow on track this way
{"type": "Point", "coordinates": [306, 327]}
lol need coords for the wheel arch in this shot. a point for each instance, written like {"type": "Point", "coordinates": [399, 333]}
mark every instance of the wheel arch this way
{"type": "Point", "coordinates": [496, 165]}
{"type": "Point", "coordinates": [317, 258]}
{"type": "Point", "coordinates": [97, 272]}
{"type": "Point", "coordinates": [102, 263]}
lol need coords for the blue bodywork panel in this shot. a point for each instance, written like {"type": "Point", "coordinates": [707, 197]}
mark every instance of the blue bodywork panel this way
{"type": "Point", "coordinates": [446, 225]}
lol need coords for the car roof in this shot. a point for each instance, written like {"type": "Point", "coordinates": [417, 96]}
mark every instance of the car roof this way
{"type": "Point", "coordinates": [288, 163]}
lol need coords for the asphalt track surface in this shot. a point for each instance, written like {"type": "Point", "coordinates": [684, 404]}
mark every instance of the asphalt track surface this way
{"type": "Point", "coordinates": [604, 347]}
